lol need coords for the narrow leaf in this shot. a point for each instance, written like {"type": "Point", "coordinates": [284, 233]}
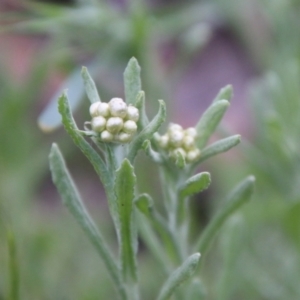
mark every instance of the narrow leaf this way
{"type": "Point", "coordinates": [195, 184]}
{"type": "Point", "coordinates": [140, 104]}
{"type": "Point", "coordinates": [147, 132]}
{"type": "Point", "coordinates": [81, 143]}
{"type": "Point", "coordinates": [239, 196]}
{"type": "Point", "coordinates": [155, 156]}
{"type": "Point", "coordinates": [132, 80]}
{"type": "Point", "coordinates": [143, 202]}
{"type": "Point", "coordinates": [50, 119]}
{"type": "Point", "coordinates": [209, 121]}
{"type": "Point", "coordinates": [181, 274]}
{"type": "Point", "coordinates": [225, 93]}
{"type": "Point", "coordinates": [72, 201]}
{"type": "Point", "coordinates": [90, 87]}
{"type": "Point", "coordinates": [13, 264]}
{"type": "Point", "coordinates": [218, 147]}
{"type": "Point", "coordinates": [124, 188]}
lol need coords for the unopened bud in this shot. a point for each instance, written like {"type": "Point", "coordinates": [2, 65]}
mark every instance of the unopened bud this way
{"type": "Point", "coordinates": [124, 137]}
{"type": "Point", "coordinates": [176, 138]}
{"type": "Point", "coordinates": [193, 155]}
{"type": "Point", "coordinates": [114, 124]}
{"type": "Point", "coordinates": [98, 123]}
{"type": "Point", "coordinates": [106, 136]}
{"type": "Point", "coordinates": [94, 109]}
{"type": "Point", "coordinates": [130, 127]}
{"type": "Point", "coordinates": [132, 113]}
{"type": "Point", "coordinates": [191, 131]}
{"type": "Point", "coordinates": [118, 107]}
{"type": "Point", "coordinates": [103, 109]}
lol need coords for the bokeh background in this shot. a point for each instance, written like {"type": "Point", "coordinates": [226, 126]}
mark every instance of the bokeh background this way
{"type": "Point", "coordinates": [188, 50]}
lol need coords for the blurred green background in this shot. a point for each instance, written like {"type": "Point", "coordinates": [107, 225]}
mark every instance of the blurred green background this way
{"type": "Point", "coordinates": [188, 50]}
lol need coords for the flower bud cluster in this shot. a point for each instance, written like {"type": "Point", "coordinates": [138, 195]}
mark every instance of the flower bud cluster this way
{"type": "Point", "coordinates": [177, 140]}
{"type": "Point", "coordinates": [115, 121]}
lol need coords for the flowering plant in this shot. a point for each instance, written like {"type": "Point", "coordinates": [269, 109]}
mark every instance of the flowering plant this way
{"type": "Point", "coordinates": [119, 130]}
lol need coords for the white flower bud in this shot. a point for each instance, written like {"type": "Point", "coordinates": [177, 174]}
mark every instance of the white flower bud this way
{"type": "Point", "coordinates": [163, 141]}
{"type": "Point", "coordinates": [132, 113]}
{"type": "Point", "coordinates": [123, 137]}
{"type": "Point", "coordinates": [193, 155]}
{"type": "Point", "coordinates": [191, 131]}
{"type": "Point", "coordinates": [98, 124]}
{"type": "Point", "coordinates": [176, 138]}
{"type": "Point", "coordinates": [106, 136]}
{"type": "Point", "coordinates": [94, 109]}
{"type": "Point", "coordinates": [174, 127]}
{"type": "Point", "coordinates": [114, 125]}
{"type": "Point", "coordinates": [103, 109]}
{"type": "Point", "coordinates": [130, 127]}
{"type": "Point", "coordinates": [188, 142]}
{"type": "Point", "coordinates": [118, 108]}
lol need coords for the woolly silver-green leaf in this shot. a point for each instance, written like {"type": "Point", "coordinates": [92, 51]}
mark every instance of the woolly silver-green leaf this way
{"type": "Point", "coordinates": [180, 275]}
{"type": "Point", "coordinates": [89, 85]}
{"type": "Point", "coordinates": [209, 121]}
{"type": "Point", "coordinates": [72, 200]}
{"type": "Point", "coordinates": [225, 93]}
{"type": "Point", "coordinates": [132, 81]}
{"type": "Point", "coordinates": [124, 189]}
{"type": "Point", "coordinates": [195, 184]}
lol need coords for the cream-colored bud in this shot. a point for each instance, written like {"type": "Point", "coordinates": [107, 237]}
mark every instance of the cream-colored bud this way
{"type": "Point", "coordinates": [193, 155]}
{"type": "Point", "coordinates": [176, 138]}
{"type": "Point", "coordinates": [130, 127]}
{"type": "Point", "coordinates": [106, 136]}
{"type": "Point", "coordinates": [103, 109]}
{"type": "Point", "coordinates": [114, 125]}
{"type": "Point", "coordinates": [123, 137]}
{"type": "Point", "coordinates": [98, 124]}
{"type": "Point", "coordinates": [163, 141]}
{"type": "Point", "coordinates": [132, 113]}
{"type": "Point", "coordinates": [188, 142]}
{"type": "Point", "coordinates": [174, 127]}
{"type": "Point", "coordinates": [191, 131]}
{"type": "Point", "coordinates": [94, 109]}
{"type": "Point", "coordinates": [118, 108]}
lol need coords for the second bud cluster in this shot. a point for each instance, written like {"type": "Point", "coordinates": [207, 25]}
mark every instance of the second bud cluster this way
{"type": "Point", "coordinates": [177, 140]}
{"type": "Point", "coordinates": [115, 121]}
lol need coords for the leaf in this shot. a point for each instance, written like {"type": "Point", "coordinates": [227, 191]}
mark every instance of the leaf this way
{"type": "Point", "coordinates": [195, 184]}
{"type": "Point", "coordinates": [140, 104]}
{"type": "Point", "coordinates": [72, 201]}
{"type": "Point", "coordinates": [224, 94]}
{"type": "Point", "coordinates": [209, 121]}
{"type": "Point", "coordinates": [181, 274]}
{"type": "Point", "coordinates": [124, 189]}
{"type": "Point", "coordinates": [155, 156]}
{"type": "Point", "coordinates": [132, 80]}
{"type": "Point", "coordinates": [143, 202]}
{"type": "Point", "coordinates": [179, 160]}
{"type": "Point", "coordinates": [239, 196]}
{"type": "Point", "coordinates": [218, 147]}
{"type": "Point", "coordinates": [90, 87]}
{"type": "Point", "coordinates": [147, 132]}
{"type": "Point", "coordinates": [81, 143]}
{"type": "Point", "coordinates": [50, 119]}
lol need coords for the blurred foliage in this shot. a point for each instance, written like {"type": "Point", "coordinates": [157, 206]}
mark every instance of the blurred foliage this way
{"type": "Point", "coordinates": [258, 251]}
